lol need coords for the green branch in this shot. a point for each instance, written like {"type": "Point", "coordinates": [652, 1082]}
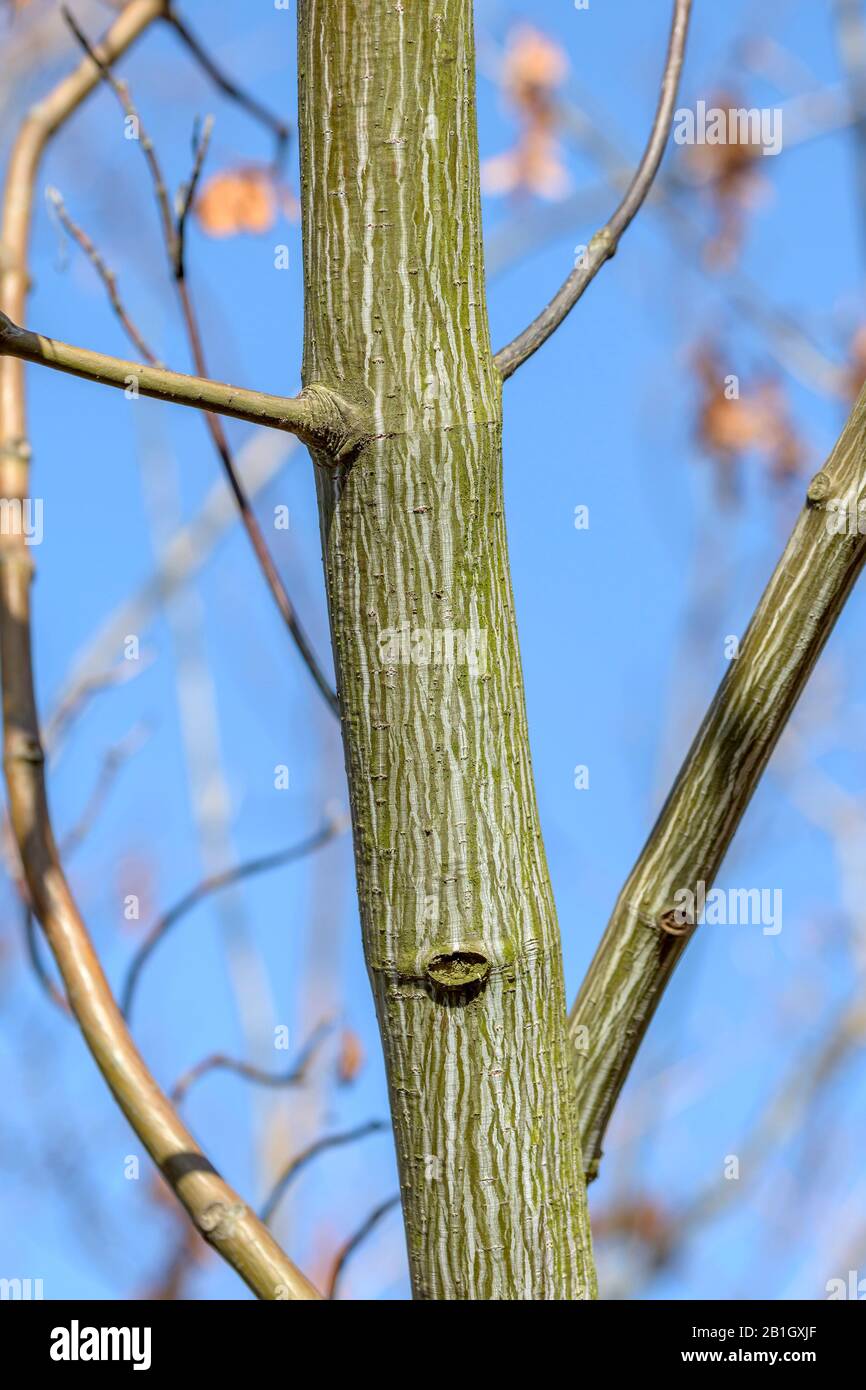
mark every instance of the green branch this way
{"type": "Point", "coordinates": [318, 416]}
{"type": "Point", "coordinates": [644, 940]}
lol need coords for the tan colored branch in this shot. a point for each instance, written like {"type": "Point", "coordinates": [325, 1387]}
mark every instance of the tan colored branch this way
{"type": "Point", "coordinates": [215, 1209]}
{"type": "Point", "coordinates": [605, 242]}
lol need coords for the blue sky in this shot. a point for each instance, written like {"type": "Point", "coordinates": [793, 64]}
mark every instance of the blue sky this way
{"type": "Point", "coordinates": [622, 629]}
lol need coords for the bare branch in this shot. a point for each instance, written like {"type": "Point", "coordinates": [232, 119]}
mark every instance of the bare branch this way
{"type": "Point", "coordinates": [306, 1156]}
{"type": "Point", "coordinates": [12, 859]}
{"type": "Point", "coordinates": [281, 130]}
{"type": "Point", "coordinates": [186, 198]}
{"type": "Point", "coordinates": [218, 1061]}
{"type": "Point", "coordinates": [174, 236]}
{"type": "Point", "coordinates": [213, 884]}
{"type": "Point", "coordinates": [113, 761]}
{"type": "Point", "coordinates": [317, 416]}
{"type": "Point", "coordinates": [106, 275]}
{"type": "Point", "coordinates": [346, 1251]}
{"type": "Point", "coordinates": [76, 698]}
{"type": "Point", "coordinates": [789, 340]}
{"type": "Point", "coordinates": [213, 1206]}
{"type": "Point", "coordinates": [121, 91]}
{"type": "Point", "coordinates": [40, 970]}
{"type": "Point", "coordinates": [605, 242]}
{"type": "Point", "coordinates": [185, 553]}
{"type": "Point", "coordinates": [796, 614]}
{"type": "Point", "coordinates": [221, 444]}
{"type": "Point", "coordinates": [218, 435]}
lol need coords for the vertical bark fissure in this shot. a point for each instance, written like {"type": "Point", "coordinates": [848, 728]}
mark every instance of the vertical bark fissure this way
{"type": "Point", "coordinates": [459, 925]}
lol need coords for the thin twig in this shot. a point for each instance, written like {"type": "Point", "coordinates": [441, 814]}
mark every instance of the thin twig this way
{"type": "Point", "coordinates": [77, 696]}
{"type": "Point", "coordinates": [186, 196]}
{"type": "Point", "coordinates": [605, 242]}
{"type": "Point", "coordinates": [184, 554]}
{"type": "Point", "coordinates": [789, 340]}
{"type": "Point", "coordinates": [105, 273]}
{"type": "Point", "coordinates": [281, 130]}
{"type": "Point", "coordinates": [12, 857]}
{"type": "Point", "coordinates": [121, 91]}
{"type": "Point", "coordinates": [220, 442]}
{"type": "Point", "coordinates": [214, 884]}
{"type": "Point", "coordinates": [175, 244]}
{"type": "Point", "coordinates": [218, 1061]}
{"type": "Point", "coordinates": [113, 761]}
{"type": "Point", "coordinates": [40, 970]}
{"type": "Point", "coordinates": [345, 1253]}
{"type": "Point", "coordinates": [306, 1156]}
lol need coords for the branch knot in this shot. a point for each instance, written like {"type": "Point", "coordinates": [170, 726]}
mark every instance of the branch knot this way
{"type": "Point", "coordinates": [336, 426]}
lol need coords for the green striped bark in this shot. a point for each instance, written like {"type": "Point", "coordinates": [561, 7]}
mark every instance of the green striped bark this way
{"type": "Point", "coordinates": [459, 926]}
{"type": "Point", "coordinates": [638, 951]}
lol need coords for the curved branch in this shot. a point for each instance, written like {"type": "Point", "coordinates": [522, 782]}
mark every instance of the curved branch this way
{"type": "Point", "coordinates": [218, 1061]}
{"type": "Point", "coordinates": [300, 1161]}
{"type": "Point", "coordinates": [213, 884]}
{"type": "Point", "coordinates": [40, 970]}
{"type": "Point", "coordinates": [345, 1253]}
{"type": "Point", "coordinates": [75, 698]}
{"type": "Point", "coordinates": [605, 242]}
{"type": "Point", "coordinates": [796, 614]}
{"type": "Point", "coordinates": [114, 759]}
{"type": "Point", "coordinates": [323, 420]}
{"type": "Point", "coordinates": [281, 129]}
{"type": "Point", "coordinates": [213, 1206]}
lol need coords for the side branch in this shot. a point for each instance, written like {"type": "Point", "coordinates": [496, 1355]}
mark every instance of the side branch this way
{"type": "Point", "coordinates": [647, 934]}
{"type": "Point", "coordinates": [605, 242]}
{"type": "Point", "coordinates": [174, 234]}
{"type": "Point", "coordinates": [319, 417]}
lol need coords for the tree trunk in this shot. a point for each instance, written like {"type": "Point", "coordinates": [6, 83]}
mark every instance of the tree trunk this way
{"type": "Point", "coordinates": [459, 925]}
